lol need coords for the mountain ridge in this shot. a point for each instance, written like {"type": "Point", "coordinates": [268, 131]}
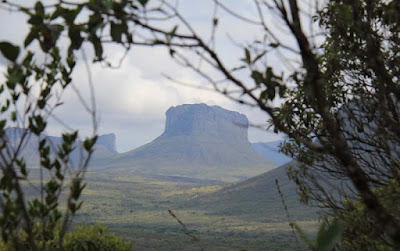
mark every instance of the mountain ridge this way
{"type": "Point", "coordinates": [257, 197]}
{"type": "Point", "coordinates": [105, 146]}
{"type": "Point", "coordinates": [199, 141]}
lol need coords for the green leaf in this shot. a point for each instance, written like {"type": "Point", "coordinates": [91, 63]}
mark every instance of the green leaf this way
{"type": "Point", "coordinates": [259, 56]}
{"type": "Point", "coordinates": [2, 124]}
{"type": "Point", "coordinates": [171, 52]}
{"type": "Point", "coordinates": [330, 235]}
{"type": "Point", "coordinates": [264, 95]}
{"type": "Point", "coordinates": [55, 31]}
{"type": "Point", "coordinates": [23, 169]}
{"type": "Point", "coordinates": [282, 90]}
{"type": "Point", "coordinates": [74, 34]}
{"type": "Point", "coordinates": [69, 15]}
{"type": "Point", "coordinates": [39, 8]}
{"type": "Point", "coordinates": [71, 62]}
{"type": "Point", "coordinates": [310, 243]}
{"type": "Point", "coordinates": [116, 32]}
{"type": "Point", "coordinates": [72, 207]}
{"type": "Point", "coordinates": [31, 36]}
{"type": "Point", "coordinates": [107, 4]}
{"type": "Point", "coordinates": [58, 12]}
{"type": "Point", "coordinates": [215, 21]}
{"type": "Point", "coordinates": [271, 92]}
{"type": "Point", "coordinates": [41, 103]}
{"type": "Point", "coordinates": [257, 77]}
{"type": "Point", "coordinates": [37, 124]}
{"type": "Point", "coordinates": [143, 2]}
{"type": "Point", "coordinates": [274, 45]}
{"type": "Point", "coordinates": [35, 20]}
{"type": "Point", "coordinates": [95, 23]}
{"type": "Point", "coordinates": [13, 116]}
{"type": "Point", "coordinates": [76, 189]}
{"type": "Point", "coordinates": [173, 31]}
{"type": "Point", "coordinates": [98, 47]}
{"type": "Point", "coordinates": [89, 143]}
{"type": "Point", "coordinates": [59, 175]}
{"type": "Point", "coordinates": [9, 51]}
{"type": "Point", "coordinates": [269, 74]}
{"type": "Point", "coordinates": [248, 56]}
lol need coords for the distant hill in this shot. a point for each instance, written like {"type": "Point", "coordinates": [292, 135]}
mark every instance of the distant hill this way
{"type": "Point", "coordinates": [105, 146]}
{"type": "Point", "coordinates": [199, 141]}
{"type": "Point", "coordinates": [270, 150]}
{"type": "Point", "coordinates": [257, 197]}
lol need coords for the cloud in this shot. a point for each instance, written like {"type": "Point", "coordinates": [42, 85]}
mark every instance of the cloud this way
{"type": "Point", "coordinates": [132, 99]}
{"type": "Point", "coordinates": [126, 98]}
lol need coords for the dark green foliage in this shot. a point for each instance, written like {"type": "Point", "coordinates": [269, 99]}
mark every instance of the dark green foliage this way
{"type": "Point", "coordinates": [360, 232]}
{"type": "Point", "coordinates": [328, 236]}
{"type": "Point", "coordinates": [81, 238]}
{"type": "Point", "coordinates": [9, 51]}
{"type": "Point", "coordinates": [136, 207]}
{"type": "Point", "coordinates": [94, 238]}
{"type": "Point", "coordinates": [30, 85]}
{"type": "Point", "coordinates": [359, 75]}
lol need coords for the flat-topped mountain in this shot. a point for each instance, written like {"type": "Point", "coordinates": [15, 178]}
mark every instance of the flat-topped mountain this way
{"type": "Point", "coordinates": [199, 141]}
{"type": "Point", "coordinates": [108, 141]}
{"type": "Point", "coordinates": [209, 121]}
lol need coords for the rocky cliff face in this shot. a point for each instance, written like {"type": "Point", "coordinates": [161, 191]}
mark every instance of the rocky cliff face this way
{"type": "Point", "coordinates": [199, 141]}
{"type": "Point", "coordinates": [201, 119]}
{"type": "Point", "coordinates": [108, 141]}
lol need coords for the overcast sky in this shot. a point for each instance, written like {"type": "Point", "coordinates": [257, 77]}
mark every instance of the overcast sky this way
{"type": "Point", "coordinates": [132, 100]}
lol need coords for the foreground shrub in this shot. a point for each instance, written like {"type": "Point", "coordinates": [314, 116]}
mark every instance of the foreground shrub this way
{"type": "Point", "coordinates": [82, 238]}
{"type": "Point", "coordinates": [94, 238]}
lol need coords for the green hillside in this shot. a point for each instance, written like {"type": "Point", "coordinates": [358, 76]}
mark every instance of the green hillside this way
{"type": "Point", "coordinates": [136, 207]}
{"type": "Point", "coordinates": [192, 156]}
{"type": "Point", "coordinates": [257, 197]}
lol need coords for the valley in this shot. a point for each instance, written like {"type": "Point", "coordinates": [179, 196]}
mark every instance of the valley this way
{"type": "Point", "coordinates": [136, 207]}
{"type": "Point", "coordinates": [219, 187]}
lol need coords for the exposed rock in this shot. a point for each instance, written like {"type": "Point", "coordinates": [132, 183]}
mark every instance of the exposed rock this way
{"type": "Point", "coordinates": [199, 141]}
{"type": "Point", "coordinates": [201, 119]}
{"type": "Point", "coordinates": [108, 141]}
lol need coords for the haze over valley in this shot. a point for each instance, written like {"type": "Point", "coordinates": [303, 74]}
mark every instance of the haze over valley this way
{"type": "Point", "coordinates": [204, 169]}
{"type": "Point", "coordinates": [199, 141]}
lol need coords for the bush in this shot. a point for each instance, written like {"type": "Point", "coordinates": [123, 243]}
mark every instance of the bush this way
{"type": "Point", "coordinates": [94, 238]}
{"type": "Point", "coordinates": [82, 238]}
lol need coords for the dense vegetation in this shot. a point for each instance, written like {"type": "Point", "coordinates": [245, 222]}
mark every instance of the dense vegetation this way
{"type": "Point", "coordinates": [79, 239]}
{"type": "Point", "coordinates": [136, 207]}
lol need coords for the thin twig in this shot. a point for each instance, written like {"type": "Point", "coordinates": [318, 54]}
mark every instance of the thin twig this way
{"type": "Point", "coordinates": [291, 224]}
{"type": "Point", "coordinates": [185, 230]}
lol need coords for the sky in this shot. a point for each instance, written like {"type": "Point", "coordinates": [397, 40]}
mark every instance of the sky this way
{"type": "Point", "coordinates": [131, 101]}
